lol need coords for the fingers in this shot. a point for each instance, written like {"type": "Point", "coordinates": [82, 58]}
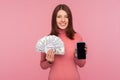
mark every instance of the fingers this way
{"type": "Point", "coordinates": [75, 53]}
{"type": "Point", "coordinates": [50, 55]}
{"type": "Point", "coordinates": [86, 48]}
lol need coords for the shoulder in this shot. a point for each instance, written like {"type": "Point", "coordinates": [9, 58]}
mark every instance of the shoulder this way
{"type": "Point", "coordinates": [78, 37]}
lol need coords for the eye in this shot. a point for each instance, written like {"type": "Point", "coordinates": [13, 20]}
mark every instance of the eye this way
{"type": "Point", "coordinates": [66, 16]}
{"type": "Point", "coordinates": [59, 16]}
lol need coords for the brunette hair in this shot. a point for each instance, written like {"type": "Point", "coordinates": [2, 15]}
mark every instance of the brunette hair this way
{"type": "Point", "coordinates": [69, 30]}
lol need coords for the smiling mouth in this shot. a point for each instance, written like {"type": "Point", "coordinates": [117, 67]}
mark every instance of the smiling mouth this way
{"type": "Point", "coordinates": [63, 24]}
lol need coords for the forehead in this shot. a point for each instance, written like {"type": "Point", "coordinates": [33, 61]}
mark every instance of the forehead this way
{"type": "Point", "coordinates": [61, 12]}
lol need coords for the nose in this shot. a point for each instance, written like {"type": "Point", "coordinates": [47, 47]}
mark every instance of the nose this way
{"type": "Point", "coordinates": [63, 19]}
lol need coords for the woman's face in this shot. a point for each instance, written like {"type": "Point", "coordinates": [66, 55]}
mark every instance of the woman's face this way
{"type": "Point", "coordinates": [62, 19]}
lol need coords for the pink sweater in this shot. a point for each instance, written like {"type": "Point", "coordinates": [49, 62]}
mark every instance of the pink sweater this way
{"type": "Point", "coordinates": [64, 66]}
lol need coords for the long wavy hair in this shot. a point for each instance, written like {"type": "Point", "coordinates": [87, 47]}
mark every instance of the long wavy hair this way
{"type": "Point", "coordinates": [69, 30]}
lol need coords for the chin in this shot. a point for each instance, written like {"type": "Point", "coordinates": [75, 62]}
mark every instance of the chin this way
{"type": "Point", "coordinates": [63, 27]}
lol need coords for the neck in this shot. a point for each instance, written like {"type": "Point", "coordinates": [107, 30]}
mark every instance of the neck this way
{"type": "Point", "coordinates": [61, 31]}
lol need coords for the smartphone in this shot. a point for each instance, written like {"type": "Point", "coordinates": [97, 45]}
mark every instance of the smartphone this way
{"type": "Point", "coordinates": [81, 52]}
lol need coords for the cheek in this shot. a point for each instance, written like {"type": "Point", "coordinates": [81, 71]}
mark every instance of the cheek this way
{"type": "Point", "coordinates": [57, 20]}
{"type": "Point", "coordinates": [67, 20]}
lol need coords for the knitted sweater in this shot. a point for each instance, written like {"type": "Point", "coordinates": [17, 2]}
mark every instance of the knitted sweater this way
{"type": "Point", "coordinates": [64, 66]}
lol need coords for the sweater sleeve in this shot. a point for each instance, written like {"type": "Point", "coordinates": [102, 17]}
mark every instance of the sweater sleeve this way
{"type": "Point", "coordinates": [79, 62]}
{"type": "Point", "coordinates": [43, 62]}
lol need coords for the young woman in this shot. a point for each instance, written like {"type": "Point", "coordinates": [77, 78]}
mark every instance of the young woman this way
{"type": "Point", "coordinates": [63, 67]}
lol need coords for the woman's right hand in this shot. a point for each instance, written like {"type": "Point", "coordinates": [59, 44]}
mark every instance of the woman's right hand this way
{"type": "Point", "coordinates": [50, 56]}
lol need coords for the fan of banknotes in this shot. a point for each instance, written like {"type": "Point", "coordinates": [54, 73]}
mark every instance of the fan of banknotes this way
{"type": "Point", "coordinates": [50, 42]}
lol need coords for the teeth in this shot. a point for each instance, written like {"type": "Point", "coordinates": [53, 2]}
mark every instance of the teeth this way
{"type": "Point", "coordinates": [62, 24]}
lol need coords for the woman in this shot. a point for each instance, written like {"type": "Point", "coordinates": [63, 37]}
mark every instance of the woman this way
{"type": "Point", "coordinates": [63, 67]}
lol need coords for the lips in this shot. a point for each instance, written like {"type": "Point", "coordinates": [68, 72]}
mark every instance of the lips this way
{"type": "Point", "coordinates": [62, 24]}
